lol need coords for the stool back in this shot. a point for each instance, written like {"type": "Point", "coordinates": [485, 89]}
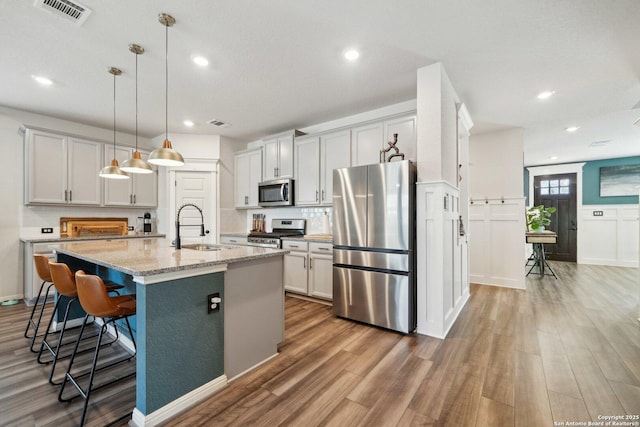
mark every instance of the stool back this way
{"type": "Point", "coordinates": [63, 279]}
{"type": "Point", "coordinates": [94, 298]}
{"type": "Point", "coordinates": [42, 267]}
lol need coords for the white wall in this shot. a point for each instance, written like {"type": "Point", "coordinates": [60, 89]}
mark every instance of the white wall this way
{"type": "Point", "coordinates": [496, 165]}
{"type": "Point", "coordinates": [496, 209]}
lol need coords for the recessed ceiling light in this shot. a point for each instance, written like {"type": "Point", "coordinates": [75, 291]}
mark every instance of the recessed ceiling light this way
{"type": "Point", "coordinates": [44, 81]}
{"type": "Point", "coordinates": [201, 61]}
{"type": "Point", "coordinates": [546, 94]}
{"type": "Point", "coordinates": [553, 158]}
{"type": "Point", "coordinates": [572, 128]}
{"type": "Point", "coordinates": [188, 123]}
{"type": "Point", "coordinates": [351, 54]}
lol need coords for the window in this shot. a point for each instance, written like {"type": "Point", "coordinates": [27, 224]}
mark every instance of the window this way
{"type": "Point", "coordinates": [554, 186]}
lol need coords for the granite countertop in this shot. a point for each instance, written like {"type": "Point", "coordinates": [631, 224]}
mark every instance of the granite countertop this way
{"type": "Point", "coordinates": [79, 239]}
{"type": "Point", "coordinates": [144, 257]}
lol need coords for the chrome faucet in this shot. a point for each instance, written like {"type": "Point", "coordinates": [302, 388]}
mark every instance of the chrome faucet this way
{"type": "Point", "coordinates": [202, 232]}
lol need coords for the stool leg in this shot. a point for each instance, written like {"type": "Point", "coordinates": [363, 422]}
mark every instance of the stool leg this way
{"type": "Point", "coordinates": [37, 324]}
{"type": "Point", "coordinates": [30, 323]}
{"type": "Point", "coordinates": [59, 344]}
{"type": "Point", "coordinates": [46, 333]}
{"type": "Point", "coordinates": [67, 376]}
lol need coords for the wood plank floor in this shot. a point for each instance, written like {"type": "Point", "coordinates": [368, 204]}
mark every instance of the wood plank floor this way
{"type": "Point", "coordinates": [564, 350]}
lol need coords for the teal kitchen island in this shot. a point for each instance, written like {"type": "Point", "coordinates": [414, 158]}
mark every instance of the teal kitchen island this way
{"type": "Point", "coordinates": [187, 350]}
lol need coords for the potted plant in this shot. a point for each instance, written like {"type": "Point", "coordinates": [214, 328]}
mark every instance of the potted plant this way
{"type": "Point", "coordinates": [539, 217]}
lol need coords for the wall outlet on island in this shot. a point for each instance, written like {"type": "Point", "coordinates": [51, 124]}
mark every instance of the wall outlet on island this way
{"type": "Point", "coordinates": [130, 228]}
{"type": "Point", "coordinates": [46, 230]}
{"type": "Point", "coordinates": [598, 213]}
{"type": "Point", "coordinates": [213, 301]}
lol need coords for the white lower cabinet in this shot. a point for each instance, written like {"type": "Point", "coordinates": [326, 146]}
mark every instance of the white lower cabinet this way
{"type": "Point", "coordinates": [308, 268]}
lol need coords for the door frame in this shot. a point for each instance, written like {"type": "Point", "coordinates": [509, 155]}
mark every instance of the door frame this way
{"type": "Point", "coordinates": [556, 170]}
{"type": "Point", "coordinates": [199, 165]}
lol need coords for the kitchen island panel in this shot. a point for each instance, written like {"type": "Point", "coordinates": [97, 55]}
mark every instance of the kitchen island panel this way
{"type": "Point", "coordinates": [254, 314]}
{"type": "Point", "coordinates": [180, 345]}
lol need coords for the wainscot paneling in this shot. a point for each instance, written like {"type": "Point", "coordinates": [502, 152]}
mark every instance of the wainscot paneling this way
{"type": "Point", "coordinates": [610, 238]}
{"type": "Point", "coordinates": [496, 242]}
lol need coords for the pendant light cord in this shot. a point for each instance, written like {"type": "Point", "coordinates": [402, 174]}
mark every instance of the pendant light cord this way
{"type": "Point", "coordinates": [166, 82]}
{"type": "Point", "coordinates": [136, 102]}
{"type": "Point", "coordinates": [114, 116]}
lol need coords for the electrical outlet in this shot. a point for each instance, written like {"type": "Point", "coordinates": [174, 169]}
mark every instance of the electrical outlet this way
{"type": "Point", "coordinates": [213, 302]}
{"type": "Point", "coordinates": [46, 230]}
{"type": "Point", "coordinates": [130, 228]}
{"type": "Point", "coordinates": [598, 213]}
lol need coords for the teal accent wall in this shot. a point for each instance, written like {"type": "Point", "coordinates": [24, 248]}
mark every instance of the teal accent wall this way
{"type": "Point", "coordinates": [591, 182]}
{"type": "Point", "coordinates": [180, 345]}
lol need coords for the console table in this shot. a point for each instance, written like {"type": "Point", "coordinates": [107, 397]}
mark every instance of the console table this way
{"type": "Point", "coordinates": [538, 239]}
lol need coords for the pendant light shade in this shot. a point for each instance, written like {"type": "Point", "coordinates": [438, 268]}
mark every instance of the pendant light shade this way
{"type": "Point", "coordinates": [135, 164]}
{"type": "Point", "coordinates": [166, 155]}
{"type": "Point", "coordinates": [113, 170]}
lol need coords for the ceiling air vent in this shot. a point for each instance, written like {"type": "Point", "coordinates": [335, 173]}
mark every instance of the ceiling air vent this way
{"type": "Point", "coordinates": [218, 123]}
{"type": "Point", "coordinates": [71, 11]}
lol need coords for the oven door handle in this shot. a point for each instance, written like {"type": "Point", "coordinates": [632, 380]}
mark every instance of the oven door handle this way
{"type": "Point", "coordinates": [263, 245]}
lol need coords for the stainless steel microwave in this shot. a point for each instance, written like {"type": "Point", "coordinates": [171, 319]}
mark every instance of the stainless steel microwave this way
{"type": "Point", "coordinates": [278, 192]}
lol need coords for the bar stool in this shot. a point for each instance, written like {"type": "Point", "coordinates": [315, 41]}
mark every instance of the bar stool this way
{"type": "Point", "coordinates": [65, 284]}
{"type": "Point", "coordinates": [42, 268]}
{"type": "Point", "coordinates": [95, 301]}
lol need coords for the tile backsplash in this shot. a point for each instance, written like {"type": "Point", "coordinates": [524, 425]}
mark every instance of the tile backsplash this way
{"type": "Point", "coordinates": [313, 215]}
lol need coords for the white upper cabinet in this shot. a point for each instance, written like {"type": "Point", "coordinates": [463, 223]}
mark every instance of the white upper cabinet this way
{"type": "Point", "coordinates": [248, 173]}
{"type": "Point", "coordinates": [307, 164]}
{"type": "Point", "coordinates": [61, 169]}
{"type": "Point", "coordinates": [140, 190]}
{"type": "Point", "coordinates": [366, 144]}
{"type": "Point", "coordinates": [316, 158]}
{"type": "Point", "coordinates": [369, 139]}
{"type": "Point", "coordinates": [278, 157]}
{"type": "Point", "coordinates": [405, 127]}
{"type": "Point", "coordinates": [335, 153]}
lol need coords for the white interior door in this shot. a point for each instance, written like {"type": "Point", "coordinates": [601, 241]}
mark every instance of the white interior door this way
{"type": "Point", "coordinates": [195, 187]}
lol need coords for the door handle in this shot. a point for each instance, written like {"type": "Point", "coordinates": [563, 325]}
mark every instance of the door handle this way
{"type": "Point", "coordinates": [304, 262]}
{"type": "Point", "coordinates": [310, 263]}
{"type": "Point", "coordinates": [317, 195]}
{"type": "Point", "coordinates": [70, 195]}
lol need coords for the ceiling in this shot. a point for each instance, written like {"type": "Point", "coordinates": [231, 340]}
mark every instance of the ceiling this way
{"type": "Point", "coordinates": [277, 65]}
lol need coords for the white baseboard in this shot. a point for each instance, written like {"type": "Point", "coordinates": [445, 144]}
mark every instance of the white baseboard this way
{"type": "Point", "coordinates": [179, 405]}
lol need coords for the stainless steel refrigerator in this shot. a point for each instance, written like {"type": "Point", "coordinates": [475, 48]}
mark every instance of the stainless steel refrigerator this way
{"type": "Point", "coordinates": [374, 278]}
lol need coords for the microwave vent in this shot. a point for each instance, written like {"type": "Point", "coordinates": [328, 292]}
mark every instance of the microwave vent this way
{"type": "Point", "coordinates": [69, 10]}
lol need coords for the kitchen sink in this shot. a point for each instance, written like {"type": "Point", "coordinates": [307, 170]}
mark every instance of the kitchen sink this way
{"type": "Point", "coordinates": [203, 247]}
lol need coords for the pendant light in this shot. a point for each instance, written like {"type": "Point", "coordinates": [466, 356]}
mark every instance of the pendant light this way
{"type": "Point", "coordinates": [113, 171]}
{"type": "Point", "coordinates": [135, 164]}
{"type": "Point", "coordinates": [166, 155]}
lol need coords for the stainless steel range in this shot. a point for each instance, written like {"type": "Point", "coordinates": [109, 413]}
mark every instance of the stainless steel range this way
{"type": "Point", "coordinates": [280, 228]}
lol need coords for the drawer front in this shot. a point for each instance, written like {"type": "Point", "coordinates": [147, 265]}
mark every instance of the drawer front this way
{"type": "Point", "coordinates": [233, 240]}
{"type": "Point", "coordinates": [294, 245]}
{"type": "Point", "coordinates": [321, 248]}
